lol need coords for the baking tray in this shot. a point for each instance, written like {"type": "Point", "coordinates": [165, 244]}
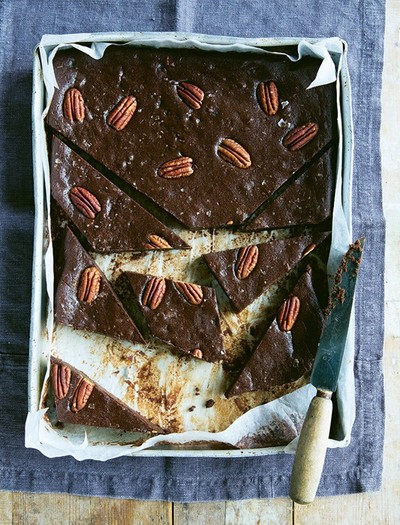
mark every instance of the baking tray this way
{"type": "Point", "coordinates": [39, 339]}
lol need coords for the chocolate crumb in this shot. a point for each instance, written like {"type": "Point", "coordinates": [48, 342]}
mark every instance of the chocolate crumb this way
{"type": "Point", "coordinates": [191, 408]}
{"type": "Point", "coordinates": [210, 403]}
{"type": "Point", "coordinates": [197, 391]}
{"type": "Point", "coordinates": [338, 293]}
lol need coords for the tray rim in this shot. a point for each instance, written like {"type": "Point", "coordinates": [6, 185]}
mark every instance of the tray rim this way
{"type": "Point", "coordinates": [37, 340]}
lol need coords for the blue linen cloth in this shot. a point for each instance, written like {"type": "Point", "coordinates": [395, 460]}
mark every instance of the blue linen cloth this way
{"type": "Point", "coordinates": [353, 469]}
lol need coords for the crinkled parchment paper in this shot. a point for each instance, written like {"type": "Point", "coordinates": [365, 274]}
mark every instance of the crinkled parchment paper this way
{"type": "Point", "coordinates": [161, 384]}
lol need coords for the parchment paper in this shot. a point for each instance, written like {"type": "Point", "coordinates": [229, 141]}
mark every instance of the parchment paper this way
{"type": "Point", "coordinates": [118, 366]}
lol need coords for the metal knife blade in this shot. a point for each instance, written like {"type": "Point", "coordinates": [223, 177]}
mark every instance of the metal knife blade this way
{"type": "Point", "coordinates": [329, 355]}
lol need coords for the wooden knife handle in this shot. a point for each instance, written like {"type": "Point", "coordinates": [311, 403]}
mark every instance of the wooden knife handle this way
{"type": "Point", "coordinates": [311, 449]}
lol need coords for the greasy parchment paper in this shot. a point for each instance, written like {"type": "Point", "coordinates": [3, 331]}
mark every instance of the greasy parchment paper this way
{"type": "Point", "coordinates": [169, 388]}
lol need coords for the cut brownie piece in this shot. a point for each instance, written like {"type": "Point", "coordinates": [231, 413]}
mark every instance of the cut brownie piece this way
{"type": "Point", "coordinates": [284, 356]}
{"type": "Point", "coordinates": [110, 220]}
{"type": "Point", "coordinates": [84, 298]}
{"type": "Point", "coordinates": [184, 315]}
{"type": "Point", "coordinates": [245, 273]}
{"type": "Point", "coordinates": [190, 128]}
{"type": "Point", "coordinates": [308, 200]}
{"type": "Point", "coordinates": [81, 401]}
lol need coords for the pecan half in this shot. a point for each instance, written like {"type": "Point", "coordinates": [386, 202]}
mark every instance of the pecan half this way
{"type": "Point", "coordinates": [197, 353]}
{"type": "Point", "coordinates": [120, 116]}
{"type": "Point", "coordinates": [300, 136]}
{"type": "Point", "coordinates": [81, 394]}
{"type": "Point", "coordinates": [157, 243]}
{"type": "Point", "coordinates": [288, 313]}
{"type": "Point", "coordinates": [176, 168]}
{"type": "Point", "coordinates": [193, 293]}
{"type": "Point", "coordinates": [267, 96]}
{"type": "Point", "coordinates": [191, 94]}
{"type": "Point", "coordinates": [154, 292]}
{"type": "Point", "coordinates": [308, 250]}
{"type": "Point", "coordinates": [232, 152]}
{"type": "Point", "coordinates": [246, 261]}
{"type": "Point", "coordinates": [74, 105]}
{"type": "Point", "coordinates": [89, 284]}
{"type": "Point", "coordinates": [85, 202]}
{"type": "Point", "coordinates": [61, 378]}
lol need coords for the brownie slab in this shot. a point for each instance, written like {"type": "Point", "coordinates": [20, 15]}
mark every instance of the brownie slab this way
{"type": "Point", "coordinates": [110, 220]}
{"type": "Point", "coordinates": [284, 356]}
{"type": "Point", "coordinates": [190, 128]}
{"type": "Point", "coordinates": [82, 401]}
{"type": "Point", "coordinates": [245, 273]}
{"type": "Point", "coordinates": [183, 315]}
{"type": "Point", "coordinates": [84, 298]}
{"type": "Point", "coordinates": [307, 201]}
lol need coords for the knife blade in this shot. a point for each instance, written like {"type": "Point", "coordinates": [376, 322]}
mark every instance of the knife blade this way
{"type": "Point", "coordinates": [311, 449]}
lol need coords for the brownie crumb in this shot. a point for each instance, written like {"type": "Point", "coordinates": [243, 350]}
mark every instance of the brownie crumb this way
{"type": "Point", "coordinates": [210, 403]}
{"type": "Point", "coordinates": [191, 408]}
{"type": "Point", "coordinates": [197, 391]}
{"type": "Point", "coordinates": [338, 293]}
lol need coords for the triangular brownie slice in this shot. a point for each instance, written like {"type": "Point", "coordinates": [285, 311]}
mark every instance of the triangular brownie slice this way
{"type": "Point", "coordinates": [245, 273]}
{"type": "Point", "coordinates": [184, 315]}
{"type": "Point", "coordinates": [81, 401]}
{"type": "Point", "coordinates": [110, 220]}
{"type": "Point", "coordinates": [84, 298]}
{"type": "Point", "coordinates": [308, 200]}
{"type": "Point", "coordinates": [283, 356]}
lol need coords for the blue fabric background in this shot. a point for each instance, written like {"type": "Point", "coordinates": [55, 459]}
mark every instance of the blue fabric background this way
{"type": "Point", "coordinates": [22, 23]}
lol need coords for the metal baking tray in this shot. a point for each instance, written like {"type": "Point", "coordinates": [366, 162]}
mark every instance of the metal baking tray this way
{"type": "Point", "coordinates": [40, 343]}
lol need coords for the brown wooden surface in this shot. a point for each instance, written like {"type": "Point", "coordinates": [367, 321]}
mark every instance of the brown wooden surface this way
{"type": "Point", "coordinates": [382, 508]}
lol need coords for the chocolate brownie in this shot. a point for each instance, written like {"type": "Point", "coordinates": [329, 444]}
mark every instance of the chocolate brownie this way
{"type": "Point", "coordinates": [307, 201]}
{"type": "Point", "coordinates": [82, 401]}
{"type": "Point", "coordinates": [184, 315]}
{"type": "Point", "coordinates": [84, 298]}
{"type": "Point", "coordinates": [245, 273]}
{"type": "Point", "coordinates": [213, 139]}
{"type": "Point", "coordinates": [287, 350]}
{"type": "Point", "coordinates": [110, 220]}
{"type": "Point", "coordinates": [208, 136]}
